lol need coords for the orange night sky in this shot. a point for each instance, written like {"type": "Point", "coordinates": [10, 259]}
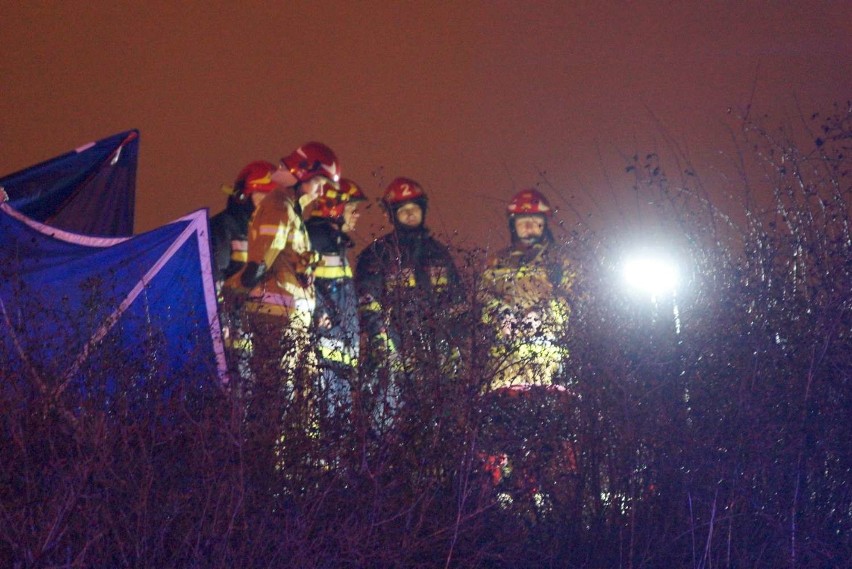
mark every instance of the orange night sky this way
{"type": "Point", "coordinates": [473, 99]}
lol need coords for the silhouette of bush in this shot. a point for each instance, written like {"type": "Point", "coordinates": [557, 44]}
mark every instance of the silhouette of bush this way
{"type": "Point", "coordinates": [720, 439]}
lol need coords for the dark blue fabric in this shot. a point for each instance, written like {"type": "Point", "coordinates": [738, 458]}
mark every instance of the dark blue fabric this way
{"type": "Point", "coordinates": [57, 290]}
{"type": "Point", "coordinates": [91, 190]}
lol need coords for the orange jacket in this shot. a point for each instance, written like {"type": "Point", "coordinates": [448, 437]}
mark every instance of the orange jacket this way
{"type": "Point", "coordinates": [277, 238]}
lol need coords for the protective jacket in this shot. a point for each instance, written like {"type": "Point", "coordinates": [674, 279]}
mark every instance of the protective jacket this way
{"type": "Point", "coordinates": [274, 292]}
{"type": "Point", "coordinates": [277, 278]}
{"type": "Point", "coordinates": [407, 284]}
{"type": "Point", "coordinates": [229, 238]}
{"type": "Point", "coordinates": [336, 314]}
{"type": "Point", "coordinates": [525, 293]}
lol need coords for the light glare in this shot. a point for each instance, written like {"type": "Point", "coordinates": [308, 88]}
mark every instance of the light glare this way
{"type": "Point", "coordinates": [651, 276]}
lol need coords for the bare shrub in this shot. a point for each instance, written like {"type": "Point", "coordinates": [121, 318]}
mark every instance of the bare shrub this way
{"type": "Point", "coordinates": [716, 437]}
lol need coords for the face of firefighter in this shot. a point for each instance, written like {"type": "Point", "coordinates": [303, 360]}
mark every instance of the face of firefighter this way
{"type": "Point", "coordinates": [529, 228]}
{"type": "Point", "coordinates": [350, 217]}
{"type": "Point", "coordinates": [257, 197]}
{"type": "Point", "coordinates": [410, 215]}
{"type": "Point", "coordinates": [311, 189]}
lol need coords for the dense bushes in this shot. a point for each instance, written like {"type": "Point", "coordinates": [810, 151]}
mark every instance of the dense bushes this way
{"type": "Point", "coordinates": [717, 436]}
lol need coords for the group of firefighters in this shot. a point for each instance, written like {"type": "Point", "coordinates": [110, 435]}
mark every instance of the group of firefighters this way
{"type": "Point", "coordinates": [294, 309]}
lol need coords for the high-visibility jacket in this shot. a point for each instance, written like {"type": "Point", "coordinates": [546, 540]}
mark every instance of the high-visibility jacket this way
{"type": "Point", "coordinates": [336, 314]}
{"type": "Point", "coordinates": [525, 295]}
{"type": "Point", "coordinates": [278, 240]}
{"type": "Point", "coordinates": [407, 284]}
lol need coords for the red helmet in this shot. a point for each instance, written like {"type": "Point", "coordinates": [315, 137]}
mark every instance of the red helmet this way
{"type": "Point", "coordinates": [332, 202]}
{"type": "Point", "coordinates": [529, 202]}
{"type": "Point", "coordinates": [352, 191]}
{"type": "Point", "coordinates": [311, 160]}
{"type": "Point", "coordinates": [255, 177]}
{"type": "Point", "coordinates": [402, 190]}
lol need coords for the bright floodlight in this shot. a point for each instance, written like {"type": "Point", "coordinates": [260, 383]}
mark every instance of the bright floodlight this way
{"type": "Point", "coordinates": [654, 276]}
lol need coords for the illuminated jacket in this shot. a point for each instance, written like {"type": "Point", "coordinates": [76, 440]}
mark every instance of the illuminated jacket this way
{"type": "Point", "coordinates": [278, 241]}
{"type": "Point", "coordinates": [407, 282]}
{"type": "Point", "coordinates": [337, 301]}
{"type": "Point", "coordinates": [525, 295]}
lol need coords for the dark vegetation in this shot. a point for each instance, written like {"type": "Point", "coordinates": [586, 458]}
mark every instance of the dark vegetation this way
{"type": "Point", "coordinates": [724, 443]}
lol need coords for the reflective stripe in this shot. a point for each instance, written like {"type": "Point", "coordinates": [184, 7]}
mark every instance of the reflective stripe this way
{"type": "Point", "coordinates": [274, 298]}
{"type": "Point", "coordinates": [332, 261]}
{"type": "Point", "coordinates": [278, 304]}
{"type": "Point", "coordinates": [241, 256]}
{"type": "Point", "coordinates": [326, 272]}
{"type": "Point", "coordinates": [530, 350]}
{"type": "Point", "coordinates": [331, 354]}
{"type": "Point", "coordinates": [372, 306]}
{"type": "Point", "coordinates": [407, 279]}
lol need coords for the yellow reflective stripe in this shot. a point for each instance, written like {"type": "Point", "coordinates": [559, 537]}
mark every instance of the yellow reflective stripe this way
{"type": "Point", "coordinates": [440, 281]}
{"type": "Point", "coordinates": [323, 272]}
{"type": "Point", "coordinates": [241, 256]}
{"type": "Point", "coordinates": [528, 350]}
{"type": "Point", "coordinates": [330, 354]}
{"type": "Point", "coordinates": [372, 306]}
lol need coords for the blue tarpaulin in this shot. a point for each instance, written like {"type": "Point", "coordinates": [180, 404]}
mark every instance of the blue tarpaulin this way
{"type": "Point", "coordinates": [90, 190]}
{"type": "Point", "coordinates": [74, 307]}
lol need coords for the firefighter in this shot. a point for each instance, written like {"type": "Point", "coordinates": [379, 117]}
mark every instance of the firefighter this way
{"type": "Point", "coordinates": [407, 287]}
{"type": "Point", "coordinates": [229, 227]}
{"type": "Point", "coordinates": [525, 296]}
{"type": "Point", "coordinates": [333, 217]}
{"type": "Point", "coordinates": [229, 242]}
{"type": "Point", "coordinates": [275, 287]}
